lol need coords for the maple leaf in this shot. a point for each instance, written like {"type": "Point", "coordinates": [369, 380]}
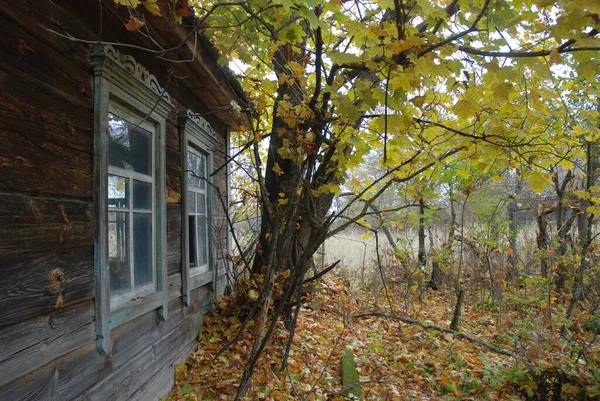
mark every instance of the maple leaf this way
{"type": "Point", "coordinates": [152, 7]}
{"type": "Point", "coordinates": [554, 56]}
{"type": "Point", "coordinates": [134, 24]}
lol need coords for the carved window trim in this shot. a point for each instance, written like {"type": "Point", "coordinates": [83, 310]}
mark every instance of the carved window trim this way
{"type": "Point", "coordinates": [119, 80]}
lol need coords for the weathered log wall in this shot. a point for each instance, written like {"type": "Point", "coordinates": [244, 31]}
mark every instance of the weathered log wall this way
{"type": "Point", "coordinates": [47, 338]}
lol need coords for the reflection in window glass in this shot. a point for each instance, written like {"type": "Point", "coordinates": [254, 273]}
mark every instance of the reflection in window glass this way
{"type": "Point", "coordinates": [192, 241]}
{"type": "Point", "coordinates": [198, 232]}
{"type": "Point", "coordinates": [118, 251]}
{"type": "Point", "coordinates": [196, 176]}
{"type": "Point", "coordinates": [191, 202]}
{"type": "Point", "coordinates": [129, 147]}
{"type": "Point", "coordinates": [202, 249]}
{"type": "Point", "coordinates": [142, 195]}
{"type": "Point", "coordinates": [142, 248]}
{"type": "Point", "coordinates": [117, 191]}
{"type": "Point", "coordinates": [130, 200]}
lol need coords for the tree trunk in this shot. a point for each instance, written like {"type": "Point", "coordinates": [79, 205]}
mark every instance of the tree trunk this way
{"type": "Point", "coordinates": [421, 255]}
{"type": "Point", "coordinates": [513, 210]}
{"type": "Point", "coordinates": [438, 277]}
{"type": "Point", "coordinates": [452, 228]}
{"type": "Point", "coordinates": [562, 228]}
{"type": "Point", "coordinates": [585, 233]}
{"type": "Point", "coordinates": [542, 239]}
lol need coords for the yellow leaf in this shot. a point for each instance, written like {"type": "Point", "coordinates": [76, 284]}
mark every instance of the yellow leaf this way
{"type": "Point", "coordinates": [261, 103]}
{"type": "Point", "coordinates": [277, 169]}
{"type": "Point", "coordinates": [418, 101]}
{"type": "Point", "coordinates": [152, 7]}
{"type": "Point", "coordinates": [128, 3]}
{"type": "Point", "coordinates": [399, 46]}
{"type": "Point", "coordinates": [283, 201]}
{"type": "Point", "coordinates": [595, 210]}
{"type": "Point", "coordinates": [463, 173]}
{"type": "Point", "coordinates": [554, 56]}
{"type": "Point", "coordinates": [134, 24]}
{"type": "Point", "coordinates": [538, 181]}
{"type": "Point", "coordinates": [253, 295]}
{"type": "Point", "coordinates": [465, 108]}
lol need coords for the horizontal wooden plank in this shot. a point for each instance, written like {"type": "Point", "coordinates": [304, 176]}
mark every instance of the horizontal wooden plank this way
{"type": "Point", "coordinates": [37, 226]}
{"type": "Point", "coordinates": [130, 377]}
{"type": "Point", "coordinates": [172, 134]}
{"type": "Point", "coordinates": [39, 385]}
{"type": "Point", "coordinates": [174, 289]}
{"type": "Point", "coordinates": [173, 173]}
{"type": "Point", "coordinates": [142, 348]}
{"type": "Point", "coordinates": [173, 221]}
{"type": "Point", "coordinates": [37, 16]}
{"type": "Point", "coordinates": [173, 255]}
{"type": "Point", "coordinates": [34, 343]}
{"type": "Point", "coordinates": [161, 383]}
{"type": "Point", "coordinates": [137, 307]}
{"type": "Point", "coordinates": [36, 286]}
{"type": "Point", "coordinates": [35, 166]}
{"type": "Point", "coordinates": [201, 279]}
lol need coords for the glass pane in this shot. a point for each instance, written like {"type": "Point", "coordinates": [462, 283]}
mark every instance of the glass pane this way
{"type": "Point", "coordinates": [141, 151]}
{"type": "Point", "coordinates": [201, 171]}
{"type": "Point", "coordinates": [191, 202]}
{"type": "Point", "coordinates": [118, 251]}
{"type": "Point", "coordinates": [201, 199]}
{"type": "Point", "coordinates": [192, 240]}
{"type": "Point", "coordinates": [142, 195]}
{"type": "Point", "coordinates": [119, 145]}
{"type": "Point", "coordinates": [203, 251]}
{"type": "Point", "coordinates": [118, 191]}
{"type": "Point", "coordinates": [195, 170]}
{"type": "Point", "coordinates": [129, 147]}
{"type": "Point", "coordinates": [142, 248]}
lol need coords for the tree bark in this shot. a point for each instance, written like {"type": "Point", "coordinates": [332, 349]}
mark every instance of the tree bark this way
{"type": "Point", "coordinates": [421, 254]}
{"type": "Point", "coordinates": [562, 228]}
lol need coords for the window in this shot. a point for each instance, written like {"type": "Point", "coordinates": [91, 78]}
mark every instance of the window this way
{"type": "Point", "coordinates": [197, 208]}
{"type": "Point", "coordinates": [130, 208]}
{"type": "Point", "coordinates": [197, 137]}
{"type": "Point", "coordinates": [130, 111]}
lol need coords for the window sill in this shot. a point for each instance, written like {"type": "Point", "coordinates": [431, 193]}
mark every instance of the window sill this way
{"type": "Point", "coordinates": [200, 277]}
{"type": "Point", "coordinates": [135, 308]}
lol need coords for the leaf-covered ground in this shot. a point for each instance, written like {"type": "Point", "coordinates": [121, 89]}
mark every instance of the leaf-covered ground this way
{"type": "Point", "coordinates": [395, 361]}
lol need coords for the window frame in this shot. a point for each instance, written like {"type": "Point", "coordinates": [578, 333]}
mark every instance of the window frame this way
{"type": "Point", "coordinates": [123, 297]}
{"type": "Point", "coordinates": [195, 129]}
{"type": "Point", "coordinates": [197, 268]}
{"type": "Point", "coordinates": [121, 84]}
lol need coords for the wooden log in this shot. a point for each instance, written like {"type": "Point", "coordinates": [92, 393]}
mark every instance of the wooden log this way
{"type": "Point", "coordinates": [173, 221]}
{"type": "Point", "coordinates": [143, 347]}
{"type": "Point", "coordinates": [138, 371]}
{"type": "Point", "coordinates": [30, 56]}
{"type": "Point", "coordinates": [173, 255]}
{"type": "Point", "coordinates": [173, 173]}
{"type": "Point", "coordinates": [32, 344]}
{"type": "Point", "coordinates": [35, 16]}
{"type": "Point", "coordinates": [33, 227]}
{"type": "Point", "coordinates": [41, 285]}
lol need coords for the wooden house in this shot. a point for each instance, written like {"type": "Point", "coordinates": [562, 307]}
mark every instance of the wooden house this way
{"type": "Point", "coordinates": [113, 196]}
